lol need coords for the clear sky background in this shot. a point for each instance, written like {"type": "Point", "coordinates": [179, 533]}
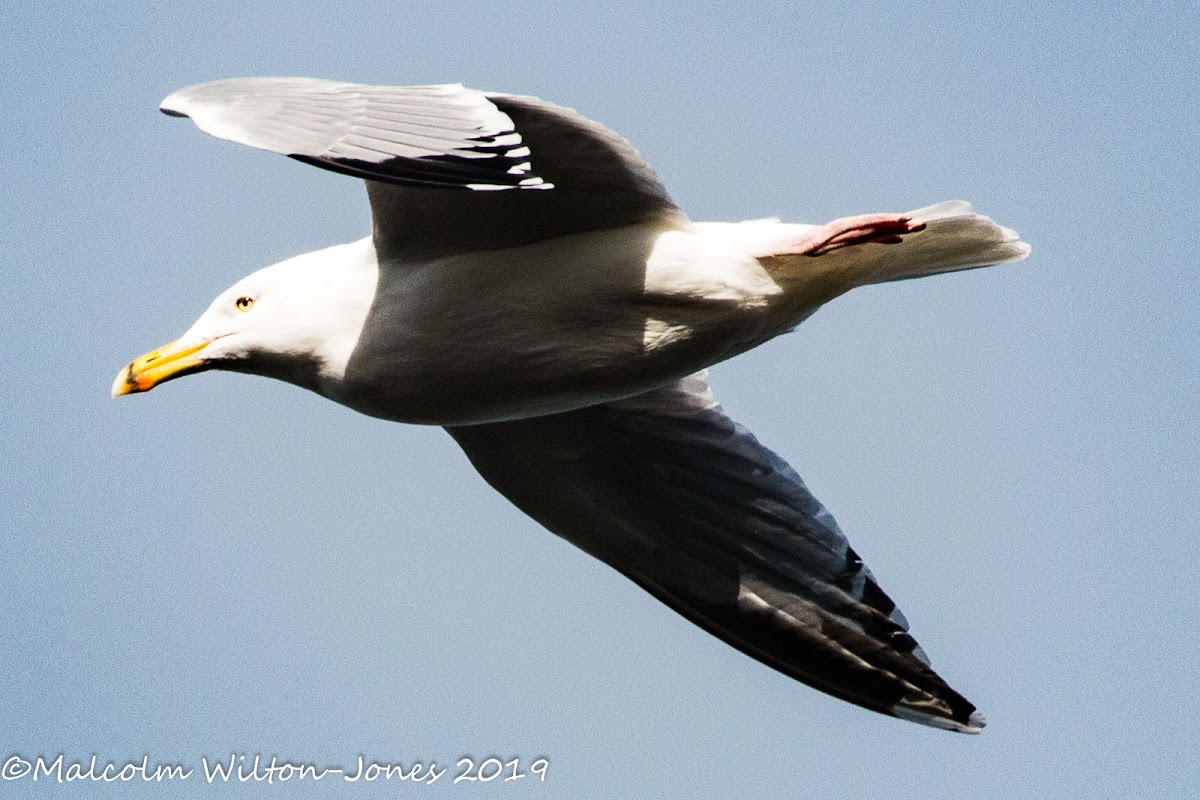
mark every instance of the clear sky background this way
{"type": "Point", "coordinates": [229, 564]}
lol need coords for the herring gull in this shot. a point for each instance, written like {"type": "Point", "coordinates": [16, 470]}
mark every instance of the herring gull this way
{"type": "Point", "coordinates": [529, 285]}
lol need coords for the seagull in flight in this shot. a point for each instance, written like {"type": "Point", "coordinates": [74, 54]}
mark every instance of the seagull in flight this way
{"type": "Point", "coordinates": [529, 285]}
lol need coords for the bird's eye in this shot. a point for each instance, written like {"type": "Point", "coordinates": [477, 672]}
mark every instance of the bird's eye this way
{"type": "Point", "coordinates": [243, 303]}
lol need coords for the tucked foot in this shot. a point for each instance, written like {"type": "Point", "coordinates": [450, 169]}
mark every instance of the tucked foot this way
{"type": "Point", "coordinates": [847, 231]}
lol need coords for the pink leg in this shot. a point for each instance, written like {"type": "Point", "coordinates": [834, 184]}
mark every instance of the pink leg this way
{"type": "Point", "coordinates": [844, 232]}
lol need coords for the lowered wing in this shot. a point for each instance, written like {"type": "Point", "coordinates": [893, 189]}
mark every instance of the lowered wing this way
{"type": "Point", "coordinates": [672, 493]}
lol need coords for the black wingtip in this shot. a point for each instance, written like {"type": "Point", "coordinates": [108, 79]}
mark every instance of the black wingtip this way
{"type": "Point", "coordinates": [170, 112]}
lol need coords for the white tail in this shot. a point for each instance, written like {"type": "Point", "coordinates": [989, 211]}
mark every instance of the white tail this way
{"type": "Point", "coordinates": [949, 236]}
{"type": "Point", "coordinates": [954, 238]}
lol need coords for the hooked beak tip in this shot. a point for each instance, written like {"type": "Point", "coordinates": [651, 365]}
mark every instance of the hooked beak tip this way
{"type": "Point", "coordinates": [167, 362]}
{"type": "Point", "coordinates": [124, 384]}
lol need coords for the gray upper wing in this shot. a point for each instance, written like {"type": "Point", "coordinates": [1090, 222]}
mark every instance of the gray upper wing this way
{"type": "Point", "coordinates": [672, 493]}
{"type": "Point", "coordinates": [524, 170]}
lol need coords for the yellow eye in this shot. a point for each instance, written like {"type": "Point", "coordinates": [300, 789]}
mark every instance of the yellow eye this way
{"type": "Point", "coordinates": [243, 303]}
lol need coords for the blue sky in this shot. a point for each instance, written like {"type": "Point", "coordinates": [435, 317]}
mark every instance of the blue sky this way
{"type": "Point", "coordinates": [232, 565]}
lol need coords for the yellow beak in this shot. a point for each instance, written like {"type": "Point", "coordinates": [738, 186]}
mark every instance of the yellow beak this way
{"type": "Point", "coordinates": [167, 362]}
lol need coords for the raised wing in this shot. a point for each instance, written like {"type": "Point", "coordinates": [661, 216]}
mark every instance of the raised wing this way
{"type": "Point", "coordinates": [526, 170]}
{"type": "Point", "coordinates": [672, 493]}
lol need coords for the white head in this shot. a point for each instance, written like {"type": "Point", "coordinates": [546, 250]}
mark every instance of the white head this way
{"type": "Point", "coordinates": [297, 320]}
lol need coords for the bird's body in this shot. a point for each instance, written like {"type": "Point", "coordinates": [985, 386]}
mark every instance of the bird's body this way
{"type": "Point", "coordinates": [446, 343]}
{"type": "Point", "coordinates": [530, 286]}
{"type": "Point", "coordinates": [476, 337]}
{"type": "Point", "coordinates": [540, 341]}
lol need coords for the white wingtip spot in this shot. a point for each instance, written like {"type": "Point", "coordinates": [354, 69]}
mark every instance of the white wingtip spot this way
{"type": "Point", "coordinates": [975, 722]}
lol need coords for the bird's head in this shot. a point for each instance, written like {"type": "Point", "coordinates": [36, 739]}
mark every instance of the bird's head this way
{"type": "Point", "coordinates": [293, 320]}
